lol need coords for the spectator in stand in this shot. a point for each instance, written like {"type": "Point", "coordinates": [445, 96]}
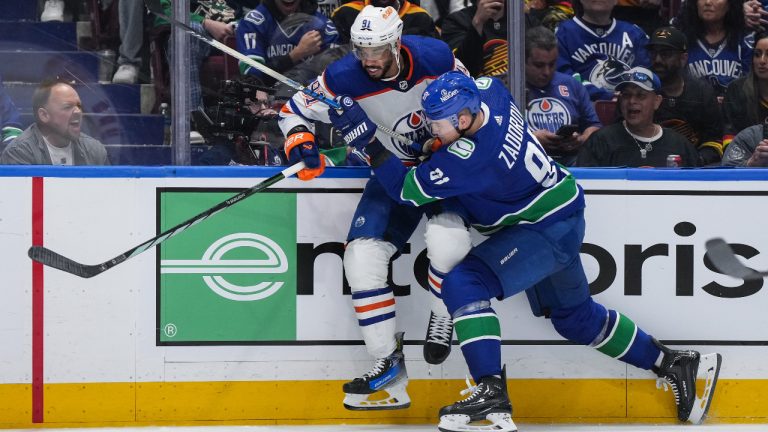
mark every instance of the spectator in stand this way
{"type": "Point", "coordinates": [719, 46]}
{"type": "Point", "coordinates": [477, 35]}
{"type": "Point", "coordinates": [55, 138]}
{"type": "Point", "coordinates": [636, 141]}
{"type": "Point", "coordinates": [415, 19]}
{"type": "Point", "coordinates": [554, 12]}
{"type": "Point", "coordinates": [216, 19]}
{"type": "Point", "coordinates": [283, 34]}
{"type": "Point", "coordinates": [645, 13]}
{"type": "Point", "coordinates": [555, 100]}
{"type": "Point", "coordinates": [746, 100]}
{"type": "Point", "coordinates": [599, 48]}
{"type": "Point", "coordinates": [748, 148]}
{"type": "Point", "coordinates": [10, 123]}
{"type": "Point", "coordinates": [131, 19]}
{"type": "Point", "coordinates": [689, 105]}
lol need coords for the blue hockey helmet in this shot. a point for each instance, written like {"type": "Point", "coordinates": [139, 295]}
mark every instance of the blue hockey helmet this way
{"type": "Point", "coordinates": [448, 95]}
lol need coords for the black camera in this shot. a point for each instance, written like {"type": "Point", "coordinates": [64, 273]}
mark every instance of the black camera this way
{"type": "Point", "coordinates": [242, 117]}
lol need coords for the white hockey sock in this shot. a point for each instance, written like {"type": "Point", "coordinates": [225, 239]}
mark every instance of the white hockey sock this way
{"type": "Point", "coordinates": [375, 311]}
{"type": "Point", "coordinates": [435, 278]}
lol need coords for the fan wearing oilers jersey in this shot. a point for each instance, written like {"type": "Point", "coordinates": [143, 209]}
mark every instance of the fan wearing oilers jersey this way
{"type": "Point", "coordinates": [385, 75]}
{"type": "Point", "coordinates": [598, 47]}
{"type": "Point", "coordinates": [558, 110]}
{"type": "Point", "coordinates": [535, 227]}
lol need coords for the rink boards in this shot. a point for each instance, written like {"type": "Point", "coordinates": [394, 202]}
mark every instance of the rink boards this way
{"type": "Point", "coordinates": [245, 317]}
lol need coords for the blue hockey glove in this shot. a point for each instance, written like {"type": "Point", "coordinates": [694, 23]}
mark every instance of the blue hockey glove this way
{"type": "Point", "coordinates": [358, 158]}
{"type": "Point", "coordinates": [355, 126]}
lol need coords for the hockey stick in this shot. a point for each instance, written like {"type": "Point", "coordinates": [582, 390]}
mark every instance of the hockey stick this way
{"type": "Point", "coordinates": [156, 8]}
{"type": "Point", "coordinates": [723, 258]}
{"type": "Point", "coordinates": [50, 258]}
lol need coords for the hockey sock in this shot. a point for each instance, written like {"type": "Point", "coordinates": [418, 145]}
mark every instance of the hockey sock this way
{"type": "Point", "coordinates": [375, 311]}
{"type": "Point", "coordinates": [621, 338]}
{"type": "Point", "coordinates": [435, 279]}
{"type": "Point", "coordinates": [479, 335]}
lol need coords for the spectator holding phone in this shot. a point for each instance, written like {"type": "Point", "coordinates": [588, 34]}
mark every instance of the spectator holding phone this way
{"type": "Point", "coordinates": [558, 109]}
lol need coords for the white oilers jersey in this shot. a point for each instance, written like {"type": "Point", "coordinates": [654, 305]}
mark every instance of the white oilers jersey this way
{"type": "Point", "coordinates": [395, 104]}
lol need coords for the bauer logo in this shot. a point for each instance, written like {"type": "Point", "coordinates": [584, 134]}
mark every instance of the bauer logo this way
{"type": "Point", "coordinates": [231, 278]}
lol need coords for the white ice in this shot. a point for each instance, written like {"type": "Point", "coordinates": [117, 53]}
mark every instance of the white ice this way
{"type": "Point", "coordinates": [427, 428]}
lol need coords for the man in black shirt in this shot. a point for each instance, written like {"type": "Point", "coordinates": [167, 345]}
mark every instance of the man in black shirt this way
{"type": "Point", "coordinates": [636, 141]}
{"type": "Point", "coordinates": [689, 105]}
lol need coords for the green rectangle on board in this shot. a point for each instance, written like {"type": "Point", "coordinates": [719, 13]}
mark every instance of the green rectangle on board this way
{"type": "Point", "coordinates": [232, 277]}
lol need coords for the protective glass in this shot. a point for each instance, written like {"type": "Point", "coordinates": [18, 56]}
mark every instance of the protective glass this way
{"type": "Point", "coordinates": [370, 53]}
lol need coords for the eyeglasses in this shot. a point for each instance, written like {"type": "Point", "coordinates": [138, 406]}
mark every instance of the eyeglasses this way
{"type": "Point", "coordinates": [635, 76]}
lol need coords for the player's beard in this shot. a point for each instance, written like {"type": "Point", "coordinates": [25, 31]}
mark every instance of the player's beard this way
{"type": "Point", "coordinates": [378, 73]}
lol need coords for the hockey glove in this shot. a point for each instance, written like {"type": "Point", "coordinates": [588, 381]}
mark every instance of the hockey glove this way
{"type": "Point", "coordinates": [355, 126]}
{"type": "Point", "coordinates": [300, 146]}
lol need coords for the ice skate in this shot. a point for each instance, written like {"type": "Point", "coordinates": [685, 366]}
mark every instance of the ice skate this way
{"type": "Point", "coordinates": [488, 402]}
{"type": "Point", "coordinates": [681, 370]}
{"type": "Point", "coordinates": [389, 376]}
{"type": "Point", "coordinates": [437, 343]}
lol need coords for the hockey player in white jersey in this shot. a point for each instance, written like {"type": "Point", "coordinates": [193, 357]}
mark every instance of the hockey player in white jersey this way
{"type": "Point", "coordinates": [386, 74]}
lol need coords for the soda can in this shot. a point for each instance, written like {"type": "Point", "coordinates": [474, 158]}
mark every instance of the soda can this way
{"type": "Point", "coordinates": [674, 161]}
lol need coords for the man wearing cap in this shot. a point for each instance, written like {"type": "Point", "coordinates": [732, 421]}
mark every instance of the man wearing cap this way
{"type": "Point", "coordinates": [689, 105]}
{"type": "Point", "coordinates": [636, 141]}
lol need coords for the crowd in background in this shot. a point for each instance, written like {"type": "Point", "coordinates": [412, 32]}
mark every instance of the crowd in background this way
{"type": "Point", "coordinates": [608, 82]}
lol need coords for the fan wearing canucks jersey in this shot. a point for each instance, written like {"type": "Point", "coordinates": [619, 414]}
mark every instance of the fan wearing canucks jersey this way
{"type": "Point", "coordinates": [532, 211]}
{"type": "Point", "coordinates": [385, 74]}
{"type": "Point", "coordinates": [599, 48]}
{"type": "Point", "coordinates": [282, 34]}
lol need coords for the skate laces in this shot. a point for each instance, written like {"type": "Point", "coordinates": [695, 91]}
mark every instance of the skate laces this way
{"type": "Point", "coordinates": [470, 389]}
{"type": "Point", "coordinates": [440, 329]}
{"type": "Point", "coordinates": [668, 383]}
{"type": "Point", "coordinates": [378, 367]}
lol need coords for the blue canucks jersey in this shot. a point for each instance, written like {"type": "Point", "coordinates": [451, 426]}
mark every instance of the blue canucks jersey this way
{"type": "Point", "coordinates": [260, 37]}
{"type": "Point", "coordinates": [501, 175]}
{"type": "Point", "coordinates": [719, 64]}
{"type": "Point", "coordinates": [564, 101]}
{"type": "Point", "coordinates": [10, 120]}
{"type": "Point", "coordinates": [395, 104]}
{"type": "Point", "coordinates": [600, 59]}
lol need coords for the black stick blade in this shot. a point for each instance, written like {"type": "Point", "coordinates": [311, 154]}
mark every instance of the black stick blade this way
{"type": "Point", "coordinates": [50, 258]}
{"type": "Point", "coordinates": [723, 258]}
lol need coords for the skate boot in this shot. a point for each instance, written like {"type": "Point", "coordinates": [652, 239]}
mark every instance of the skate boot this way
{"type": "Point", "coordinates": [680, 370]}
{"type": "Point", "coordinates": [488, 401]}
{"type": "Point", "coordinates": [437, 343]}
{"type": "Point", "coordinates": [387, 375]}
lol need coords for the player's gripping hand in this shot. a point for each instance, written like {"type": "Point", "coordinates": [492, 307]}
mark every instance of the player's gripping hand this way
{"type": "Point", "coordinates": [300, 146]}
{"type": "Point", "coordinates": [355, 126]}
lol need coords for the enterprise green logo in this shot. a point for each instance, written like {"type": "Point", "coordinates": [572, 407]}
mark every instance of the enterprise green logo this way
{"type": "Point", "coordinates": [214, 266]}
{"type": "Point", "coordinates": [230, 279]}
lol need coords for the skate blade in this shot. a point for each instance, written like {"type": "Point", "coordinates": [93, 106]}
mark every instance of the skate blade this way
{"type": "Point", "coordinates": [706, 379]}
{"type": "Point", "coordinates": [495, 422]}
{"type": "Point", "coordinates": [391, 398]}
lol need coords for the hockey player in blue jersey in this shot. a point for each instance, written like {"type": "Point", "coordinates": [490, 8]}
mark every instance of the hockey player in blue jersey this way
{"type": "Point", "coordinates": [532, 211]}
{"type": "Point", "coordinates": [386, 74]}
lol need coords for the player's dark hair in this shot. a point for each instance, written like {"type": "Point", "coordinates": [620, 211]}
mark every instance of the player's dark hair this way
{"type": "Point", "coordinates": [539, 37]}
{"type": "Point", "coordinates": [43, 93]}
